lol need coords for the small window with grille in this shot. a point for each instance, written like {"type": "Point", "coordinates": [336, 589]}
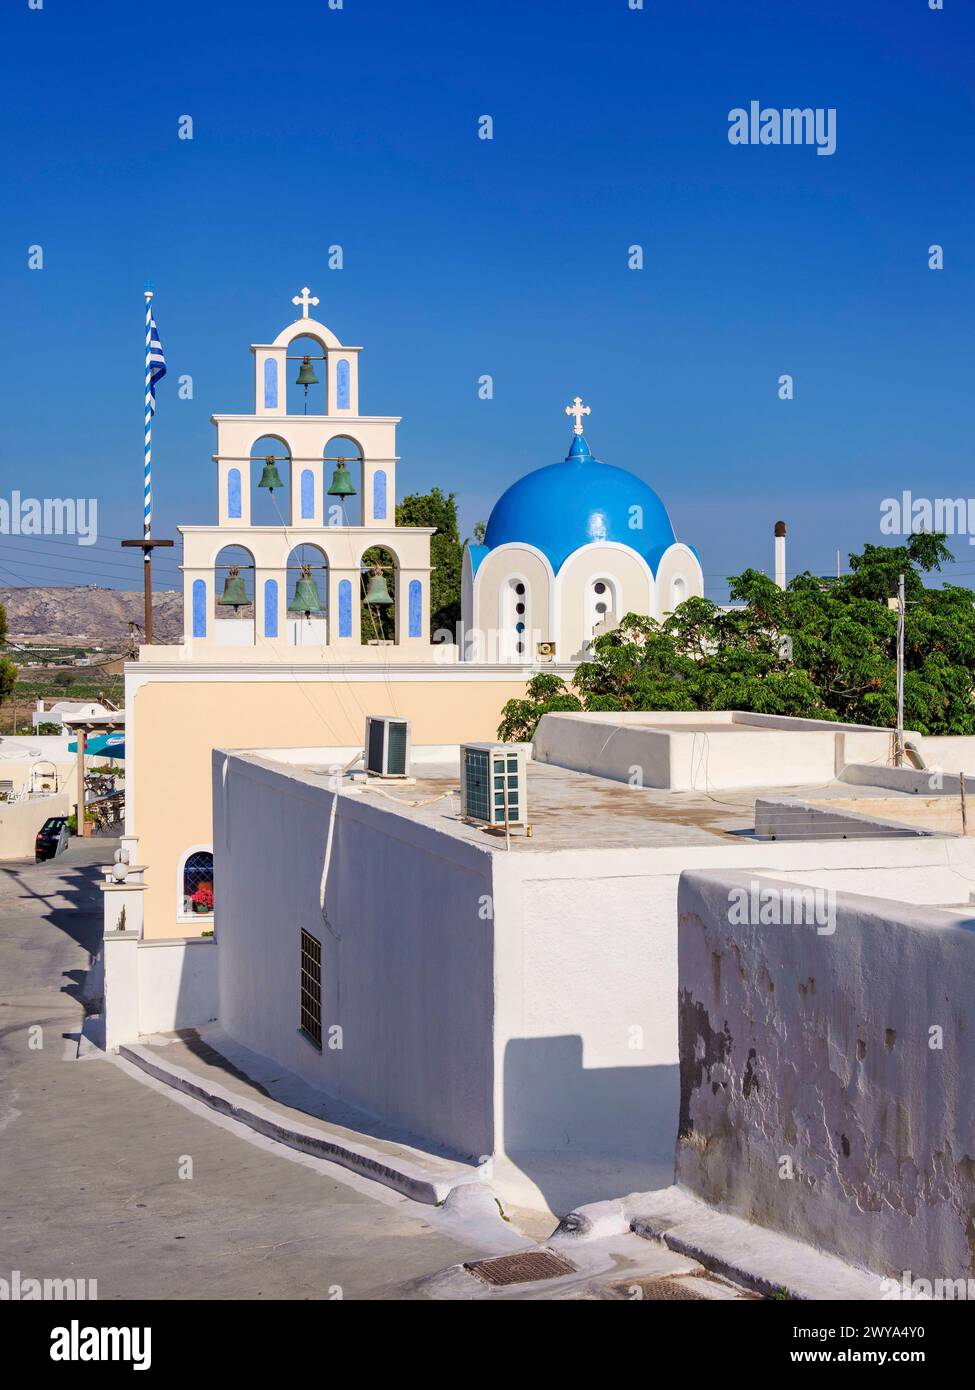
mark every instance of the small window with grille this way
{"type": "Point", "coordinates": [310, 989]}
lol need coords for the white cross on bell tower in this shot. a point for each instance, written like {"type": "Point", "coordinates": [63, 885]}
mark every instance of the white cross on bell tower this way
{"type": "Point", "coordinates": [304, 299]}
{"type": "Point", "coordinates": [577, 409]}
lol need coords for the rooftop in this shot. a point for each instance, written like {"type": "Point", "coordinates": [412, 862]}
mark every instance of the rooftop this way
{"type": "Point", "coordinates": [571, 810]}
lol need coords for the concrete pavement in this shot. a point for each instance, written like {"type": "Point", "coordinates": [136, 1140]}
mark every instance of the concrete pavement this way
{"type": "Point", "coordinates": [92, 1155]}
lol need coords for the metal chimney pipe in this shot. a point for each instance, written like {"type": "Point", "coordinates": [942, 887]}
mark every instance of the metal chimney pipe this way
{"type": "Point", "coordinates": [780, 554]}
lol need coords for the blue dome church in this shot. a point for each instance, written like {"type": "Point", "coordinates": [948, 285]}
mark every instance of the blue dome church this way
{"type": "Point", "coordinates": [569, 550]}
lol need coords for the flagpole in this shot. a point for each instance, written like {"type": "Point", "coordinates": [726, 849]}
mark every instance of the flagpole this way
{"type": "Point", "coordinates": [147, 544]}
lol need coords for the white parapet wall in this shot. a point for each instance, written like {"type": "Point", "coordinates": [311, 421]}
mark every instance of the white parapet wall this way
{"type": "Point", "coordinates": [826, 1059]}
{"type": "Point", "coordinates": [706, 750]}
{"type": "Point", "coordinates": [21, 820]}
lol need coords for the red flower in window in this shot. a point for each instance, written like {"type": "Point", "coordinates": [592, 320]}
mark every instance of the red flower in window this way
{"type": "Point", "coordinates": [202, 899]}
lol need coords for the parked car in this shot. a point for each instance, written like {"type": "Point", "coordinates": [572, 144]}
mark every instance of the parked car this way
{"type": "Point", "coordinates": [52, 838]}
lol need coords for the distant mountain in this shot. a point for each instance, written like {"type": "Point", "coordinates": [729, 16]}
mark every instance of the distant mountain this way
{"type": "Point", "coordinates": [89, 614]}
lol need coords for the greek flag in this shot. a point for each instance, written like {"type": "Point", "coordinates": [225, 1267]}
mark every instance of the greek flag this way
{"type": "Point", "coordinates": [155, 362]}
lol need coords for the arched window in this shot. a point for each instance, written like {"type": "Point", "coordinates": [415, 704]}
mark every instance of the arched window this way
{"type": "Point", "coordinates": [196, 883]}
{"type": "Point", "coordinates": [343, 394]}
{"type": "Point", "coordinates": [270, 384]}
{"type": "Point", "coordinates": [270, 608]}
{"type": "Point", "coordinates": [199, 608]}
{"type": "Point", "coordinates": [307, 495]}
{"type": "Point", "coordinates": [233, 494]}
{"type": "Point", "coordinates": [515, 620]}
{"type": "Point", "coordinates": [415, 597]}
{"type": "Point", "coordinates": [345, 608]}
{"type": "Point", "coordinates": [601, 603]}
{"type": "Point", "coordinates": [678, 591]}
{"type": "Point", "coordinates": [379, 494]}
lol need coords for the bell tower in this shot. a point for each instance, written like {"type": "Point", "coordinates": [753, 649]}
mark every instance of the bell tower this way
{"type": "Point", "coordinates": [321, 460]}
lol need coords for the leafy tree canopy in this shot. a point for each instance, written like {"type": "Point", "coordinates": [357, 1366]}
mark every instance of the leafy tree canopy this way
{"type": "Point", "coordinates": [820, 649]}
{"type": "Point", "coordinates": [439, 509]}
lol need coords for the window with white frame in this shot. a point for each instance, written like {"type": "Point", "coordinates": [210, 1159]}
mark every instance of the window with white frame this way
{"type": "Point", "coordinates": [601, 603]}
{"type": "Point", "coordinates": [515, 620]}
{"type": "Point", "coordinates": [196, 882]}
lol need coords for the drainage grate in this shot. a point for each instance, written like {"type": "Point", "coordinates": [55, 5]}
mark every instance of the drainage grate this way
{"type": "Point", "coordinates": [520, 1269]}
{"type": "Point", "coordinates": [656, 1290]}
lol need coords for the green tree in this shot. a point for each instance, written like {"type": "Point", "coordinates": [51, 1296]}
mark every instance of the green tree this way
{"type": "Point", "coordinates": [821, 649]}
{"type": "Point", "coordinates": [438, 509]}
{"type": "Point", "coordinates": [8, 677]}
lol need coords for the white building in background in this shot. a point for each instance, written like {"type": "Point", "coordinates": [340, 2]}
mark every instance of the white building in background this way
{"type": "Point", "coordinates": [569, 550]}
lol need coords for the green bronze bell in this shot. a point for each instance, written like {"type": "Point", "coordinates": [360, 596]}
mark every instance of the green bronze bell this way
{"type": "Point", "coordinates": [306, 598]}
{"type": "Point", "coordinates": [377, 594]}
{"type": "Point", "coordinates": [342, 484]}
{"type": "Point", "coordinates": [234, 592]}
{"type": "Point", "coordinates": [270, 478]}
{"type": "Point", "coordinates": [306, 374]}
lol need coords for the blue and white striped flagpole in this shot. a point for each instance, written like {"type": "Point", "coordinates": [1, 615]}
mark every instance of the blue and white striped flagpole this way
{"type": "Point", "coordinates": [150, 403]}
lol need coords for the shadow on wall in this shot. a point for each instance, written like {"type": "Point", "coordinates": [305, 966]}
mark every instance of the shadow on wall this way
{"type": "Point", "coordinates": [578, 1132]}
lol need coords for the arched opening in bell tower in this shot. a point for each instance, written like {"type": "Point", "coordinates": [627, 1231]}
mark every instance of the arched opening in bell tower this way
{"type": "Point", "coordinates": [307, 379]}
{"type": "Point", "coordinates": [233, 591]}
{"type": "Point", "coordinates": [379, 570]}
{"type": "Point", "coordinates": [342, 462]}
{"type": "Point", "coordinates": [270, 464]}
{"type": "Point", "coordinates": [307, 591]}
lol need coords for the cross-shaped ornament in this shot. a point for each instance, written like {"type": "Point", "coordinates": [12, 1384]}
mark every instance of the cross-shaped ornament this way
{"type": "Point", "coordinates": [304, 299]}
{"type": "Point", "coordinates": [578, 410]}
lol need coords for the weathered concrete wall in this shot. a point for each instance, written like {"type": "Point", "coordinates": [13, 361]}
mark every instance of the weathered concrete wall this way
{"type": "Point", "coordinates": [815, 1099]}
{"type": "Point", "coordinates": [177, 984]}
{"type": "Point", "coordinates": [21, 820]}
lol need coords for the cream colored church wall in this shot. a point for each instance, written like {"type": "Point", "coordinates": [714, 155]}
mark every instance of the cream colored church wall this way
{"type": "Point", "coordinates": [174, 725]}
{"type": "Point", "coordinates": [678, 562]}
{"type": "Point", "coordinates": [505, 563]}
{"type": "Point", "coordinates": [629, 573]}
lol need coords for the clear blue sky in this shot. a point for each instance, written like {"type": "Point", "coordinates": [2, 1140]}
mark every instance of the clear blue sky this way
{"type": "Point", "coordinates": [462, 257]}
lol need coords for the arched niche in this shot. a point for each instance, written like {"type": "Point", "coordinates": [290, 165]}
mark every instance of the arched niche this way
{"type": "Point", "coordinates": [307, 628]}
{"type": "Point", "coordinates": [233, 627]}
{"type": "Point", "coordinates": [270, 507]}
{"type": "Point", "coordinates": [341, 511]}
{"type": "Point", "coordinates": [312, 400]}
{"type": "Point", "coordinates": [378, 623]}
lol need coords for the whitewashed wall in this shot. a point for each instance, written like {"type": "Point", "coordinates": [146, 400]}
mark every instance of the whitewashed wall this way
{"type": "Point", "coordinates": [811, 1054]}
{"type": "Point", "coordinates": [407, 956]}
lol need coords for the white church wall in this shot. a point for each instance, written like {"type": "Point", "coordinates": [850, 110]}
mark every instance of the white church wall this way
{"type": "Point", "coordinates": [407, 950]}
{"type": "Point", "coordinates": [491, 615]}
{"type": "Point", "coordinates": [820, 1097]}
{"type": "Point", "coordinates": [678, 563]}
{"type": "Point", "coordinates": [628, 573]}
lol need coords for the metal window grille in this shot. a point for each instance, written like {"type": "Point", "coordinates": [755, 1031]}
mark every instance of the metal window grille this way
{"type": "Point", "coordinates": [197, 869]}
{"type": "Point", "coordinates": [310, 989]}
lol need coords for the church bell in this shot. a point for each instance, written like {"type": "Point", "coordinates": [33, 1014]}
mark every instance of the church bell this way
{"type": "Point", "coordinates": [306, 374]}
{"type": "Point", "coordinates": [342, 484]}
{"type": "Point", "coordinates": [377, 594]}
{"type": "Point", "coordinates": [305, 598]}
{"type": "Point", "coordinates": [270, 478]}
{"type": "Point", "coordinates": [234, 591]}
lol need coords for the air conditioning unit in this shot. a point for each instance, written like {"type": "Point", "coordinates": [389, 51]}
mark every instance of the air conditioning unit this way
{"type": "Point", "coordinates": [494, 783]}
{"type": "Point", "coordinates": [387, 746]}
{"type": "Point", "coordinates": [547, 649]}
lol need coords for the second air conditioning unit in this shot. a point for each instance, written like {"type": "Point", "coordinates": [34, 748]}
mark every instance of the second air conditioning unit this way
{"type": "Point", "coordinates": [387, 746]}
{"type": "Point", "coordinates": [494, 783]}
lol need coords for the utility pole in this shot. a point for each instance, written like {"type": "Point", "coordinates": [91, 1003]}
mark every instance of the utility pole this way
{"type": "Point", "coordinates": [899, 752]}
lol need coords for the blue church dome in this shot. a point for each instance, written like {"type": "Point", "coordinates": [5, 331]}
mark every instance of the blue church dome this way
{"type": "Point", "coordinates": [566, 505]}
